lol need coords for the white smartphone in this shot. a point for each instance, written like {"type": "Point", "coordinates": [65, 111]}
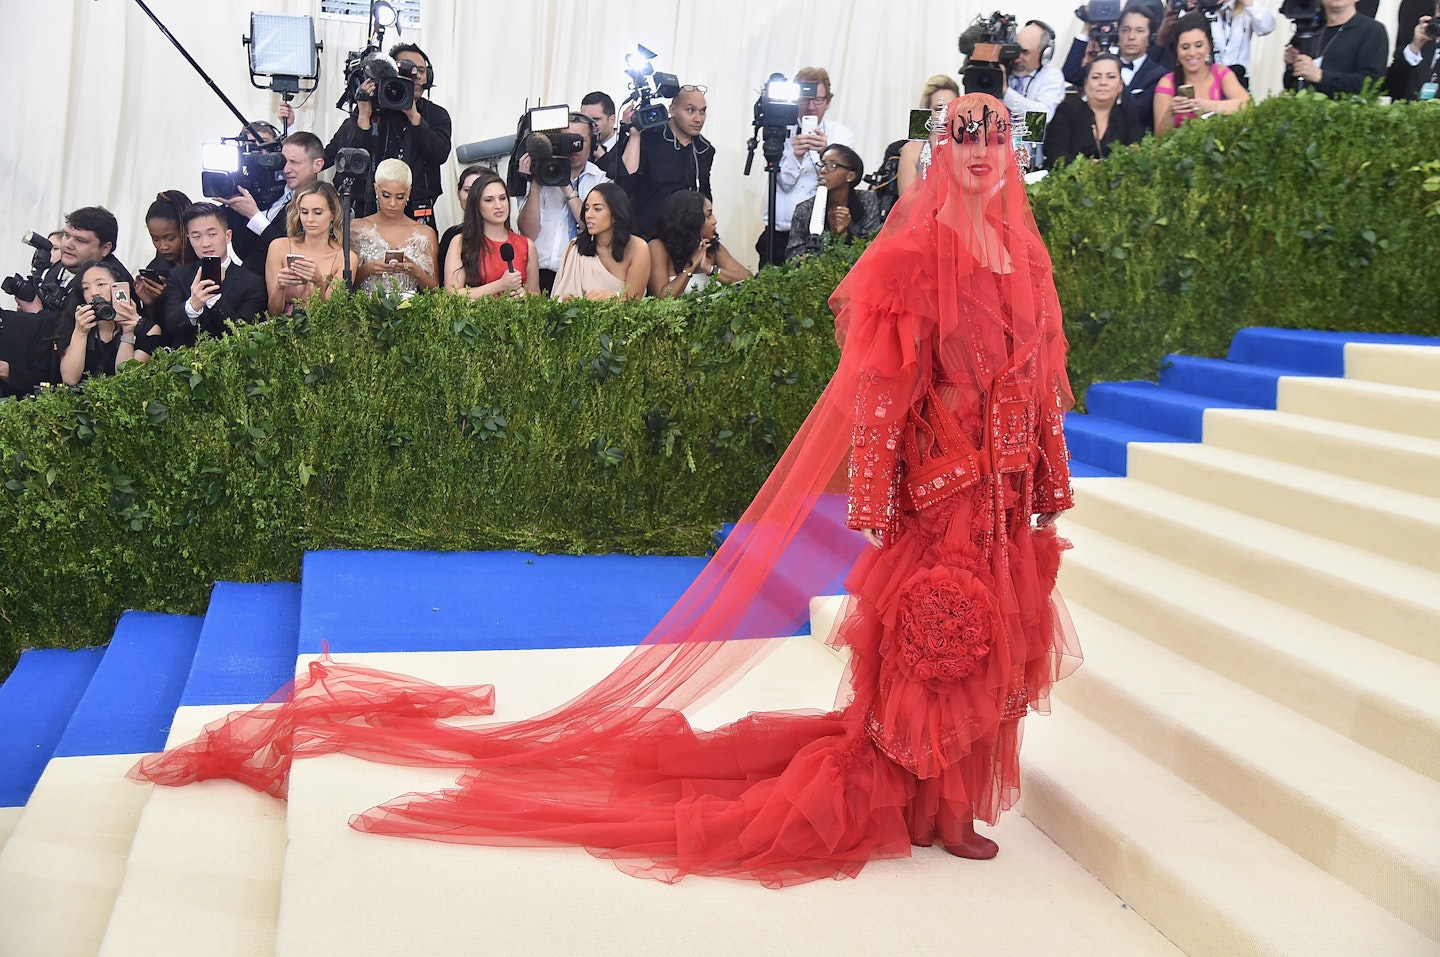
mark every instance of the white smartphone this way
{"type": "Point", "coordinates": [808, 123]}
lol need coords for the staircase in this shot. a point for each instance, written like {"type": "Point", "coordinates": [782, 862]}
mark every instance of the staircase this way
{"type": "Point", "coordinates": [1249, 760]}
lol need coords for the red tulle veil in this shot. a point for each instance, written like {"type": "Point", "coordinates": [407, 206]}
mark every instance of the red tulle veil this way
{"type": "Point", "coordinates": [959, 277]}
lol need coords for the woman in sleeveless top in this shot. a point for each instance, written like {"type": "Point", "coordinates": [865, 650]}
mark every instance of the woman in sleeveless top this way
{"type": "Point", "coordinates": [686, 254]}
{"type": "Point", "coordinates": [477, 262]}
{"type": "Point", "coordinates": [605, 260]}
{"type": "Point", "coordinates": [395, 251]}
{"type": "Point", "coordinates": [311, 258]}
{"type": "Point", "coordinates": [1216, 88]}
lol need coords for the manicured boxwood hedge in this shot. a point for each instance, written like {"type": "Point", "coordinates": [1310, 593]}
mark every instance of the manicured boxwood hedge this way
{"type": "Point", "coordinates": [450, 424]}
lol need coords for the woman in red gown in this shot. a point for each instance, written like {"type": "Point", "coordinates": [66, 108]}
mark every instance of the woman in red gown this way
{"type": "Point", "coordinates": [948, 406]}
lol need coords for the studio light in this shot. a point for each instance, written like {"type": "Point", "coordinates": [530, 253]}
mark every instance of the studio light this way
{"type": "Point", "coordinates": [383, 14]}
{"type": "Point", "coordinates": [284, 49]}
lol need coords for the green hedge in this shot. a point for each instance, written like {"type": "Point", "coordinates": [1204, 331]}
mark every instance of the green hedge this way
{"type": "Point", "coordinates": [452, 424]}
{"type": "Point", "coordinates": [1300, 212]}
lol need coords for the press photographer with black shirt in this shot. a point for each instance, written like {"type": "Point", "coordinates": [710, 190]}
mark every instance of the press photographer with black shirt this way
{"type": "Point", "coordinates": [667, 159]}
{"type": "Point", "coordinates": [1351, 49]}
{"type": "Point", "coordinates": [420, 136]}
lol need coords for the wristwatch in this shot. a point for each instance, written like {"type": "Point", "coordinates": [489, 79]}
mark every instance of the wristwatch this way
{"type": "Point", "coordinates": [128, 340]}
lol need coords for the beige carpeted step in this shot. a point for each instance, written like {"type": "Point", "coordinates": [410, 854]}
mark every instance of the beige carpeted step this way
{"type": "Point", "coordinates": [1215, 884]}
{"type": "Point", "coordinates": [357, 894]}
{"type": "Point", "coordinates": [1377, 695]}
{"type": "Point", "coordinates": [62, 867]}
{"type": "Point", "coordinates": [825, 614]}
{"type": "Point", "coordinates": [9, 817]}
{"type": "Point", "coordinates": [204, 866]}
{"type": "Point", "coordinates": [1395, 461]}
{"type": "Point", "coordinates": [1402, 525]}
{"type": "Point", "coordinates": [1374, 596]}
{"type": "Point", "coordinates": [1363, 818]}
{"type": "Point", "coordinates": [1375, 405]}
{"type": "Point", "coordinates": [1417, 367]}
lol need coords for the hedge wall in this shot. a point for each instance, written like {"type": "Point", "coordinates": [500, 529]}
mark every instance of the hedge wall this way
{"type": "Point", "coordinates": [451, 424]}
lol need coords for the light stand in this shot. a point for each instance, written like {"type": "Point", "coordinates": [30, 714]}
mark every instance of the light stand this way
{"type": "Point", "coordinates": [350, 160]}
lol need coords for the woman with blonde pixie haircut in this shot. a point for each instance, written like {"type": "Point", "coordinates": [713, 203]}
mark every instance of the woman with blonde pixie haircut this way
{"type": "Point", "coordinates": [310, 258]}
{"type": "Point", "coordinates": [395, 251]}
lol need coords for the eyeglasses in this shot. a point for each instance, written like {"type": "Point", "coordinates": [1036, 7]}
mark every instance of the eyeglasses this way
{"type": "Point", "coordinates": [694, 88]}
{"type": "Point", "coordinates": [831, 167]}
{"type": "Point", "coordinates": [815, 99]}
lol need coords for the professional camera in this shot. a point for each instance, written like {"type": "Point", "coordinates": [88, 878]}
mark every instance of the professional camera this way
{"type": "Point", "coordinates": [645, 83]}
{"type": "Point", "coordinates": [104, 311]}
{"type": "Point", "coordinates": [543, 133]}
{"type": "Point", "coordinates": [1210, 9]}
{"type": "Point", "coordinates": [26, 288]}
{"type": "Point", "coordinates": [1432, 28]}
{"type": "Point", "coordinates": [394, 82]}
{"type": "Point", "coordinates": [1309, 19]}
{"type": "Point", "coordinates": [235, 162]}
{"type": "Point", "coordinates": [1103, 20]}
{"type": "Point", "coordinates": [990, 50]}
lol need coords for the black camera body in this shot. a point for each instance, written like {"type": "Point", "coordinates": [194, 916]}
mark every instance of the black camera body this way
{"type": "Point", "coordinates": [544, 133]}
{"type": "Point", "coordinates": [990, 50]}
{"type": "Point", "coordinates": [646, 83]}
{"type": "Point", "coordinates": [394, 82]}
{"type": "Point", "coordinates": [104, 311]}
{"type": "Point", "coordinates": [1309, 19]}
{"type": "Point", "coordinates": [27, 288]}
{"type": "Point", "coordinates": [1102, 17]}
{"type": "Point", "coordinates": [1432, 28]}
{"type": "Point", "coordinates": [259, 169]}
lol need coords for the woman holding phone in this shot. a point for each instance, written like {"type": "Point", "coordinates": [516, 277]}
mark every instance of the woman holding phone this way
{"type": "Point", "coordinates": [396, 252]}
{"type": "Point", "coordinates": [310, 259]}
{"type": "Point", "coordinates": [98, 325]}
{"type": "Point", "coordinates": [478, 264]}
{"type": "Point", "coordinates": [167, 235]}
{"type": "Point", "coordinates": [1197, 87]}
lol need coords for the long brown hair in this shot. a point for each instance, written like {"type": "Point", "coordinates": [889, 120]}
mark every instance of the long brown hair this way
{"type": "Point", "coordinates": [473, 240]}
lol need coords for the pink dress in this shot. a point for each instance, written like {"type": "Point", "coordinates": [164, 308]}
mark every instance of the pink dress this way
{"type": "Point", "coordinates": [1216, 91]}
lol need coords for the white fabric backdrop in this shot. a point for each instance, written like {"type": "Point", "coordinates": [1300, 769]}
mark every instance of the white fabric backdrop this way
{"type": "Point", "coordinates": [111, 113]}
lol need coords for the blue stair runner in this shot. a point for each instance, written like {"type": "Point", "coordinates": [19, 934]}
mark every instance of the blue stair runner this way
{"type": "Point", "coordinates": [36, 703]}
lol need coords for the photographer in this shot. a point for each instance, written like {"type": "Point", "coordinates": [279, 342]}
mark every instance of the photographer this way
{"type": "Point", "coordinates": [420, 136]}
{"type": "Point", "coordinates": [304, 159]}
{"type": "Point", "coordinates": [90, 234]}
{"type": "Point", "coordinates": [1035, 85]}
{"type": "Point", "coordinates": [247, 221]}
{"type": "Point", "coordinates": [1141, 65]}
{"type": "Point", "coordinates": [552, 215]}
{"type": "Point", "coordinates": [1422, 64]}
{"type": "Point", "coordinates": [598, 105]}
{"type": "Point", "coordinates": [799, 164]}
{"type": "Point", "coordinates": [1342, 56]}
{"type": "Point", "coordinates": [98, 327]}
{"type": "Point", "coordinates": [1400, 81]}
{"type": "Point", "coordinates": [192, 302]}
{"type": "Point", "coordinates": [667, 159]}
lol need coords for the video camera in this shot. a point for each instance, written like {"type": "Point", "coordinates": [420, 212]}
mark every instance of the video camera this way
{"type": "Point", "coordinates": [238, 161]}
{"type": "Point", "coordinates": [1103, 19]}
{"type": "Point", "coordinates": [777, 110]}
{"type": "Point", "coordinates": [394, 82]}
{"type": "Point", "coordinates": [1210, 9]}
{"type": "Point", "coordinates": [1309, 19]}
{"type": "Point", "coordinates": [990, 51]}
{"type": "Point", "coordinates": [544, 133]}
{"type": "Point", "coordinates": [646, 83]}
{"type": "Point", "coordinates": [26, 288]}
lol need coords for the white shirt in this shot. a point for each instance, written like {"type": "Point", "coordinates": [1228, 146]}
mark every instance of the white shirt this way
{"type": "Point", "coordinates": [1039, 92]}
{"type": "Point", "coordinates": [1127, 72]}
{"type": "Point", "coordinates": [264, 217]}
{"type": "Point", "coordinates": [798, 179]}
{"type": "Point", "coordinates": [194, 315]}
{"type": "Point", "coordinates": [1234, 35]}
{"type": "Point", "coordinates": [557, 224]}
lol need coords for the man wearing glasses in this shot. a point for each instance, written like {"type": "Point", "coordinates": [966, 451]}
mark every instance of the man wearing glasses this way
{"type": "Point", "coordinates": [798, 177]}
{"type": "Point", "coordinates": [667, 159]}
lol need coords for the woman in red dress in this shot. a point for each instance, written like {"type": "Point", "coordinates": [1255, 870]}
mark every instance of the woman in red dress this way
{"type": "Point", "coordinates": [476, 256]}
{"type": "Point", "coordinates": [947, 406]}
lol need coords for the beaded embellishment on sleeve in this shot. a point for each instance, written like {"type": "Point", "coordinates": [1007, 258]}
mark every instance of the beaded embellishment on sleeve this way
{"type": "Point", "coordinates": [874, 457]}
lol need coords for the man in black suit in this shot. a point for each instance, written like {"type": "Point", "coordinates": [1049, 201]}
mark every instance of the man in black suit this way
{"type": "Point", "coordinates": [1140, 64]}
{"type": "Point", "coordinates": [192, 303]}
{"type": "Point", "coordinates": [1416, 64]}
{"type": "Point", "coordinates": [304, 159]}
{"type": "Point", "coordinates": [1349, 51]}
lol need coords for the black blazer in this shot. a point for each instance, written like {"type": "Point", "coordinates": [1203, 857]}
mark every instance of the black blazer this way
{"type": "Point", "coordinates": [425, 148]}
{"type": "Point", "coordinates": [1071, 132]}
{"type": "Point", "coordinates": [1406, 79]}
{"type": "Point", "coordinates": [242, 298]}
{"type": "Point", "coordinates": [1353, 53]}
{"type": "Point", "coordinates": [255, 261]}
{"type": "Point", "coordinates": [1140, 91]}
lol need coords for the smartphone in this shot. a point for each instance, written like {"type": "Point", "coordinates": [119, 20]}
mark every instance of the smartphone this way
{"type": "Point", "coordinates": [120, 292]}
{"type": "Point", "coordinates": [808, 124]}
{"type": "Point", "coordinates": [1185, 90]}
{"type": "Point", "coordinates": [1035, 121]}
{"type": "Point", "coordinates": [153, 276]}
{"type": "Point", "coordinates": [394, 255]}
{"type": "Point", "coordinates": [210, 269]}
{"type": "Point", "coordinates": [919, 129]}
{"type": "Point", "coordinates": [292, 258]}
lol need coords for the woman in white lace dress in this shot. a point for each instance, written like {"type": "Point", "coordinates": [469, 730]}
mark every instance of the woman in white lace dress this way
{"type": "Point", "coordinates": [395, 251]}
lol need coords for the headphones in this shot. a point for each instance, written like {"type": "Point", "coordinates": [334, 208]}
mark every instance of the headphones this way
{"type": "Point", "coordinates": [594, 132]}
{"type": "Point", "coordinates": [400, 48]}
{"type": "Point", "coordinates": [1047, 54]}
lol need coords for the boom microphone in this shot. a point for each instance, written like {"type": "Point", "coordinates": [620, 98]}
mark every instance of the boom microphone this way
{"type": "Point", "coordinates": [492, 148]}
{"type": "Point", "coordinates": [507, 253]}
